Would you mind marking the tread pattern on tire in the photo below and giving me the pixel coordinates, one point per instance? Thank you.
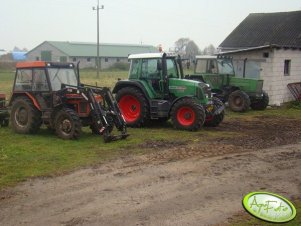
(75, 120)
(34, 116)
(246, 101)
(217, 119)
(197, 108)
(144, 115)
(262, 103)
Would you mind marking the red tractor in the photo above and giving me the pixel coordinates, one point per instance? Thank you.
(4, 116)
(51, 93)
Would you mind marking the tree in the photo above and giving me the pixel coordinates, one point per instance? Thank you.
(209, 50)
(181, 45)
(187, 48)
(191, 50)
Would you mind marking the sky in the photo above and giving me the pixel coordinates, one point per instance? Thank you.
(28, 23)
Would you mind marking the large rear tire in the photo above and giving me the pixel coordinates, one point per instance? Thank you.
(25, 117)
(215, 120)
(262, 103)
(67, 124)
(134, 106)
(239, 101)
(187, 114)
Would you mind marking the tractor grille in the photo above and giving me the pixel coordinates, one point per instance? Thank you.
(259, 86)
(83, 107)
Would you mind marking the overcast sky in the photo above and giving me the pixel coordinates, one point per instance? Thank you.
(27, 23)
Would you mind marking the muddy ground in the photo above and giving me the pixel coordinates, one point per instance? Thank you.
(177, 183)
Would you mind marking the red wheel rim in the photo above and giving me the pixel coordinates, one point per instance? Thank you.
(185, 116)
(130, 108)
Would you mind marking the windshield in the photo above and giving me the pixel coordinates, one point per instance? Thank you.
(225, 66)
(59, 76)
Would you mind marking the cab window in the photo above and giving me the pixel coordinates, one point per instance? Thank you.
(172, 71)
(23, 80)
(150, 69)
(201, 66)
(39, 80)
(134, 68)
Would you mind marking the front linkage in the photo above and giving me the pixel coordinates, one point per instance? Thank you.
(105, 113)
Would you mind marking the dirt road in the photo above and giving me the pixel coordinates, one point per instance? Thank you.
(177, 185)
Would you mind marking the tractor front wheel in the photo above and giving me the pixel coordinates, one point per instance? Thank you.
(187, 114)
(215, 120)
(262, 103)
(134, 106)
(25, 117)
(67, 124)
(239, 101)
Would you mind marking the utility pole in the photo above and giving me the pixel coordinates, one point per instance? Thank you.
(97, 58)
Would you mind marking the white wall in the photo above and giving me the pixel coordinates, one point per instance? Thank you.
(279, 82)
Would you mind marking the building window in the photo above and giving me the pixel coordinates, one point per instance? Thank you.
(106, 60)
(74, 59)
(88, 59)
(37, 58)
(287, 67)
(266, 55)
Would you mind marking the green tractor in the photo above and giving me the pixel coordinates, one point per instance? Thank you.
(240, 93)
(156, 90)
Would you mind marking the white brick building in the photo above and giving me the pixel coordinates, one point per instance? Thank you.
(268, 46)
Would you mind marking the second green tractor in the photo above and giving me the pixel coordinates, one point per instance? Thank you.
(156, 90)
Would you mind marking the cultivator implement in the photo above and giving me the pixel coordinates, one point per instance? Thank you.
(295, 89)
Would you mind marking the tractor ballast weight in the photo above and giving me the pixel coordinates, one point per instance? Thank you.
(240, 92)
(156, 90)
(50, 93)
(4, 115)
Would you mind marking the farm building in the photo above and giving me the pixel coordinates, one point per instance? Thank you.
(86, 53)
(268, 46)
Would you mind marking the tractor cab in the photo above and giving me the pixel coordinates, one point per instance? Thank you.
(42, 80)
(214, 70)
(162, 75)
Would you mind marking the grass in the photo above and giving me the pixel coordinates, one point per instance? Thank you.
(43, 154)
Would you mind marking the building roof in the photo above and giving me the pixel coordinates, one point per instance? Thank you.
(82, 49)
(260, 29)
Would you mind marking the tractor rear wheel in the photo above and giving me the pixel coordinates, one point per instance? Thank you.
(134, 106)
(239, 101)
(67, 124)
(262, 103)
(215, 120)
(25, 117)
(187, 114)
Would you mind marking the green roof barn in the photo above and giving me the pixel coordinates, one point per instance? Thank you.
(86, 53)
